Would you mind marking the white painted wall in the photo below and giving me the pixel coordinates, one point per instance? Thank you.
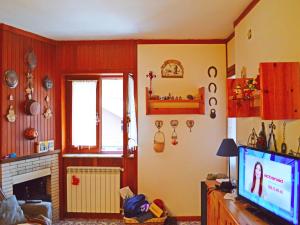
(275, 37)
(175, 174)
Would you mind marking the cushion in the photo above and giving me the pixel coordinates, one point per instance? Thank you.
(36, 209)
(11, 212)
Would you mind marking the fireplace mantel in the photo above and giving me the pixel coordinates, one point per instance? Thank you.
(8, 160)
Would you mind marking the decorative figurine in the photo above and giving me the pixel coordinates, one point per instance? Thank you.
(244, 72)
(283, 144)
(48, 112)
(252, 139)
(262, 138)
(151, 75)
(11, 116)
(10, 97)
(272, 136)
(29, 88)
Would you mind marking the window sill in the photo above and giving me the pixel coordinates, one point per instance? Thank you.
(91, 155)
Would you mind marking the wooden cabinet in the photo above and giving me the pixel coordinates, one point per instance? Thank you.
(225, 217)
(217, 213)
(227, 212)
(212, 209)
(280, 90)
(241, 101)
(277, 99)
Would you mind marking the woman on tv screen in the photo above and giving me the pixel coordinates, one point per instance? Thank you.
(257, 181)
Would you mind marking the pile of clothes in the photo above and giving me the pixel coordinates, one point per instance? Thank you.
(137, 206)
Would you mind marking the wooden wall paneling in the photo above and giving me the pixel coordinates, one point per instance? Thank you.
(25, 34)
(14, 48)
(97, 56)
(4, 100)
(59, 99)
(16, 94)
(130, 172)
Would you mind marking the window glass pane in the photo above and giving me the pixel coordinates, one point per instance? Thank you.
(84, 113)
(112, 114)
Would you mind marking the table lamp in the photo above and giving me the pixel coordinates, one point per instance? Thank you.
(227, 148)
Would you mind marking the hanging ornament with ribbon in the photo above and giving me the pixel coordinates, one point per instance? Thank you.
(174, 137)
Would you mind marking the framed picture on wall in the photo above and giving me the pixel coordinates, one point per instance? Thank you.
(172, 68)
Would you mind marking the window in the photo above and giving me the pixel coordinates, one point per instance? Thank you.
(84, 113)
(95, 111)
(112, 114)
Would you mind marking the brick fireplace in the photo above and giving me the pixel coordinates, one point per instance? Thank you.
(21, 170)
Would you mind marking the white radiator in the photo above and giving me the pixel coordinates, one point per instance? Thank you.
(93, 189)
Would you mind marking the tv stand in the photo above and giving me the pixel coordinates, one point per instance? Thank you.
(227, 212)
(260, 214)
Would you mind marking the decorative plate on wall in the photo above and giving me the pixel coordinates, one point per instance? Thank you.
(172, 68)
(31, 60)
(47, 83)
(11, 78)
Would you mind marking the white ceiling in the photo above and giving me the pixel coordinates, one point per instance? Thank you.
(123, 19)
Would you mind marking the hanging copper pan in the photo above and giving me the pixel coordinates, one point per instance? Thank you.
(32, 107)
(31, 133)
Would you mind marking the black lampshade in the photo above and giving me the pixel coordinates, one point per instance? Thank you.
(228, 148)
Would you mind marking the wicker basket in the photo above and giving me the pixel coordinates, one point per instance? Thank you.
(154, 221)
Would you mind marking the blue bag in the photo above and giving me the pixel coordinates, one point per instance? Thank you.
(132, 206)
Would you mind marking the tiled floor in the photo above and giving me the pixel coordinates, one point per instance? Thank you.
(108, 222)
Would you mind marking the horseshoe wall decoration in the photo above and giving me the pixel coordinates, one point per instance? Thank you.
(214, 73)
(214, 99)
(214, 87)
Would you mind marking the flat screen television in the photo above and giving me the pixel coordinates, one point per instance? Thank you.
(270, 182)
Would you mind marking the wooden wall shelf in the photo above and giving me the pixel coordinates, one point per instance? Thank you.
(180, 106)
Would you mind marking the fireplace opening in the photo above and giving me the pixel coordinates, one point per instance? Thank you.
(36, 189)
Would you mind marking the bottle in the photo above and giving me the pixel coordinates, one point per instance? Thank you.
(262, 138)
